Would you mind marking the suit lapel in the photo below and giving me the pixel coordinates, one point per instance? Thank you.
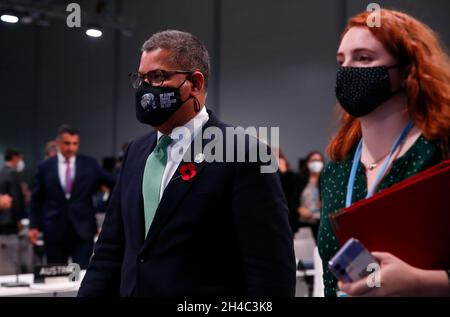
(55, 169)
(177, 189)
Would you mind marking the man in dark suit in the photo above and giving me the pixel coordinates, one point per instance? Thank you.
(62, 204)
(173, 228)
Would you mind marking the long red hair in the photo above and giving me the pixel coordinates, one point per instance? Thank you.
(417, 48)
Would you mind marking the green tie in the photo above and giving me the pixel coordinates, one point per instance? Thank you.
(151, 183)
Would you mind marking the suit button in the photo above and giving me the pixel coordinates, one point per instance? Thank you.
(141, 260)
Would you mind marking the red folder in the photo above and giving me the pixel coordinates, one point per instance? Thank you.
(411, 220)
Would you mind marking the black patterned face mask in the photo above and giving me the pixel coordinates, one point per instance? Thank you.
(360, 90)
(155, 105)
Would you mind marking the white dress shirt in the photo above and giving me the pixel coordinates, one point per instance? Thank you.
(62, 165)
(179, 146)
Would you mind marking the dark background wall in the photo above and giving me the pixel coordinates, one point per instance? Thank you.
(273, 64)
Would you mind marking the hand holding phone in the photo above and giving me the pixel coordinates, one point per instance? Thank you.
(351, 263)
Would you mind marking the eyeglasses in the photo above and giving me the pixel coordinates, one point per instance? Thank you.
(155, 77)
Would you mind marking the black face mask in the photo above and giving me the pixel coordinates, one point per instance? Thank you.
(361, 90)
(155, 105)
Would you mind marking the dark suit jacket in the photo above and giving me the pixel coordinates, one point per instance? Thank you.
(10, 184)
(224, 232)
(289, 185)
(51, 212)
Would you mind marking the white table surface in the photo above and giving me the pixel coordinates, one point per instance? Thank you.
(60, 288)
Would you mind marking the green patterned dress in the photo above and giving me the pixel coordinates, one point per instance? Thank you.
(422, 155)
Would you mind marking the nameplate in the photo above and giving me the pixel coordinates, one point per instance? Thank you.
(55, 272)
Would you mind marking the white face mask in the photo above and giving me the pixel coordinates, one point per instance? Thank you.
(20, 166)
(315, 167)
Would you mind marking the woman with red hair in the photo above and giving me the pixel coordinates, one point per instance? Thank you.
(393, 84)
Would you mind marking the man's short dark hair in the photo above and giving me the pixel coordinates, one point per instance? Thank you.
(65, 128)
(188, 52)
(11, 154)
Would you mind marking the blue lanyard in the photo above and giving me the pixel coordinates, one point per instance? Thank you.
(357, 157)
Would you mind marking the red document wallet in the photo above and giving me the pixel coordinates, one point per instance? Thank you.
(411, 220)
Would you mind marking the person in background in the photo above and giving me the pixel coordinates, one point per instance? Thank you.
(393, 84)
(309, 205)
(62, 201)
(289, 184)
(51, 149)
(13, 213)
(10, 184)
(5, 202)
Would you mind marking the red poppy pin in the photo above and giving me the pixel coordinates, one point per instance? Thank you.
(187, 171)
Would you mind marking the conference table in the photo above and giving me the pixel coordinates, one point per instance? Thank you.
(61, 286)
(56, 287)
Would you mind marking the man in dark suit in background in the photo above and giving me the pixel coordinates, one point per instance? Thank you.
(62, 204)
(179, 229)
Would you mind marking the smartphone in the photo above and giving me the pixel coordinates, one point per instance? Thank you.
(351, 262)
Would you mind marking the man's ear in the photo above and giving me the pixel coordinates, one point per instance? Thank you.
(198, 82)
